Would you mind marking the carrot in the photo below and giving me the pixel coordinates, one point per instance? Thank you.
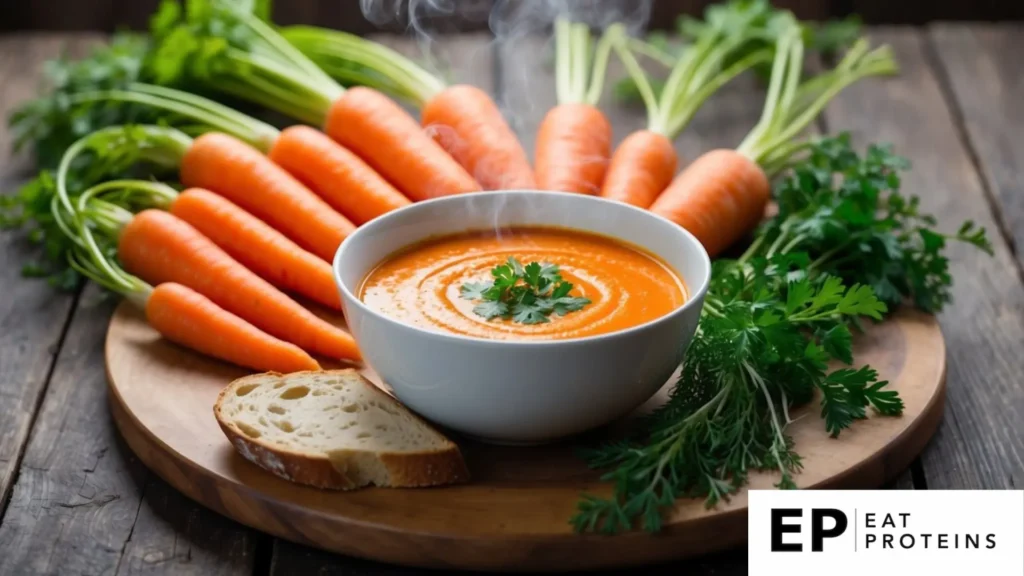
(723, 194)
(257, 246)
(262, 67)
(188, 318)
(246, 238)
(467, 123)
(463, 119)
(389, 139)
(644, 163)
(340, 177)
(159, 247)
(177, 312)
(334, 173)
(239, 172)
(574, 138)
(640, 169)
(718, 198)
(572, 149)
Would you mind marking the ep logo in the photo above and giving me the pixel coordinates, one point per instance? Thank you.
(821, 523)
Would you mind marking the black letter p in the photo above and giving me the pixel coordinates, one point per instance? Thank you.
(818, 532)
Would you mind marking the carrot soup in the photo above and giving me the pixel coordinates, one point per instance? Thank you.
(523, 284)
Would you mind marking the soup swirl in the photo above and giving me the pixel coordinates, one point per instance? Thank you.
(421, 285)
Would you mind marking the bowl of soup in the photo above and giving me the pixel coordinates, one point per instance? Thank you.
(522, 316)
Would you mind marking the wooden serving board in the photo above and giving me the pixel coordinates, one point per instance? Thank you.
(514, 514)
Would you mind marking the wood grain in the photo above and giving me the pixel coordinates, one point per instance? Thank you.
(513, 516)
(78, 491)
(981, 65)
(981, 443)
(32, 315)
(174, 535)
(292, 559)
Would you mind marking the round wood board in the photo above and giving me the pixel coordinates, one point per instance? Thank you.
(514, 514)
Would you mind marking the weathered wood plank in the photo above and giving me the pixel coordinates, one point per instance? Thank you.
(981, 65)
(294, 559)
(32, 315)
(84, 504)
(981, 442)
(78, 492)
(174, 535)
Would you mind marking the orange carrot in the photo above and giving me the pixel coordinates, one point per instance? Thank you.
(257, 246)
(463, 119)
(641, 168)
(242, 174)
(389, 139)
(159, 247)
(467, 123)
(720, 197)
(338, 176)
(574, 138)
(178, 312)
(190, 319)
(573, 145)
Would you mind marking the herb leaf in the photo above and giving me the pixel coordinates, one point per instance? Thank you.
(524, 294)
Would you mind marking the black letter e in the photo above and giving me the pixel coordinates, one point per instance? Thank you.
(779, 528)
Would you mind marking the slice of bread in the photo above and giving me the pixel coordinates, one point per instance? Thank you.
(334, 429)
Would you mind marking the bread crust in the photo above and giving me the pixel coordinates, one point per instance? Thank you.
(404, 469)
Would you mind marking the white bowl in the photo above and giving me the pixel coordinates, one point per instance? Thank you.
(521, 391)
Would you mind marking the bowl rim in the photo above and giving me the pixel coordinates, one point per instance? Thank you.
(696, 297)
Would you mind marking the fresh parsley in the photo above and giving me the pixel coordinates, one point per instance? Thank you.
(524, 294)
(846, 244)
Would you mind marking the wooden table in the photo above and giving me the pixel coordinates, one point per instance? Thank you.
(74, 500)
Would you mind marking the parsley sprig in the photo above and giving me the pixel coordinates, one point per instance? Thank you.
(525, 294)
(845, 245)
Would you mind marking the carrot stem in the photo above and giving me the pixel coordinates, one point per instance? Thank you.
(580, 71)
(344, 56)
(702, 70)
(791, 106)
(208, 114)
(636, 72)
(117, 147)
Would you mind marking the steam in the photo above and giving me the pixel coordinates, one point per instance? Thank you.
(511, 22)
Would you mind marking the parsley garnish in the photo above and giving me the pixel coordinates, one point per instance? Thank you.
(525, 294)
(846, 244)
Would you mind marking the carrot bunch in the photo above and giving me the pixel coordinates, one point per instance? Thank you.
(463, 119)
(732, 42)
(256, 64)
(723, 194)
(574, 139)
(183, 305)
(334, 173)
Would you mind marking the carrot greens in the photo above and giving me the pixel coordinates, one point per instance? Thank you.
(846, 244)
(229, 49)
